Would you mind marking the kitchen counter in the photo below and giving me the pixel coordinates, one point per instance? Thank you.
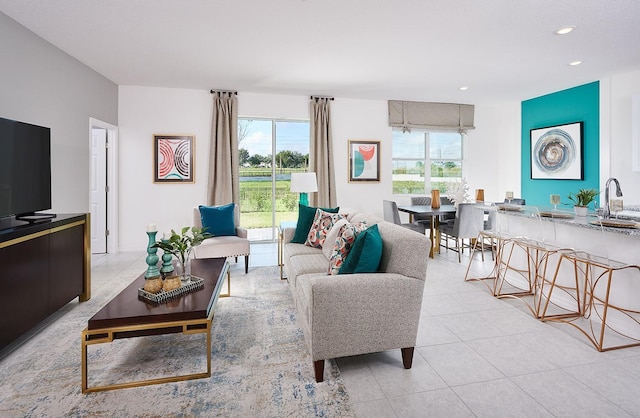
(589, 222)
(615, 247)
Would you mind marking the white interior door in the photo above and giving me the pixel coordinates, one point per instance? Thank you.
(99, 190)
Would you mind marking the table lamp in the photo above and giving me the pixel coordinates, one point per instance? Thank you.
(304, 183)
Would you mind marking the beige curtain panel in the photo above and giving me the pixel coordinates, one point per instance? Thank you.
(224, 184)
(431, 116)
(321, 153)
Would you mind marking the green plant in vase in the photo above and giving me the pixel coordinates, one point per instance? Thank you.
(582, 199)
(181, 245)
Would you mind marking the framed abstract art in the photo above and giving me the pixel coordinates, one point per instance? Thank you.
(364, 161)
(556, 152)
(174, 158)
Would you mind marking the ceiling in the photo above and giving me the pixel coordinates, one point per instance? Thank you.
(503, 50)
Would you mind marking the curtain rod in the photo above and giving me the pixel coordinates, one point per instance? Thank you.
(320, 97)
(235, 93)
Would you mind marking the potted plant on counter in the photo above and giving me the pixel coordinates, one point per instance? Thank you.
(181, 245)
(582, 199)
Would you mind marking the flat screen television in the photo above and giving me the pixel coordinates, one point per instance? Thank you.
(25, 170)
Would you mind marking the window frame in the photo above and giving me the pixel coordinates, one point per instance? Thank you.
(427, 160)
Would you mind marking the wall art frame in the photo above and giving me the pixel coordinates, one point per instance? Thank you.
(364, 161)
(557, 152)
(174, 158)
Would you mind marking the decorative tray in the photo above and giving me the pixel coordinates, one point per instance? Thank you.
(514, 208)
(616, 223)
(197, 283)
(557, 214)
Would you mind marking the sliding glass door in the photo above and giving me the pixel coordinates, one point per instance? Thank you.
(269, 151)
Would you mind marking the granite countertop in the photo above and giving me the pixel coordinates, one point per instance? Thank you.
(586, 221)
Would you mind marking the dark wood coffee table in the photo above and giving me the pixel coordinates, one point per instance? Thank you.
(127, 316)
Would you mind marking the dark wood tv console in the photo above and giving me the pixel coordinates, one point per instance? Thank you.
(43, 266)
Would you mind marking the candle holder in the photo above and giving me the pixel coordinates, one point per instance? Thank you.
(167, 265)
(152, 257)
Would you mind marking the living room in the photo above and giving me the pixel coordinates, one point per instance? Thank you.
(43, 85)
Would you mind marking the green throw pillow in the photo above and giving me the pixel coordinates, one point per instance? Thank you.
(305, 220)
(218, 220)
(365, 253)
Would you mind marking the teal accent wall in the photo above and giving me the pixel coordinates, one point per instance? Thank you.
(578, 104)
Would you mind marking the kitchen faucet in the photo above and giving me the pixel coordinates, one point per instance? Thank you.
(606, 213)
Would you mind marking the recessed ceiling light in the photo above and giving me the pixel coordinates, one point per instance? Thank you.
(564, 30)
(574, 63)
(463, 88)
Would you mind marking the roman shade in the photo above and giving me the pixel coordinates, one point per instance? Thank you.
(431, 116)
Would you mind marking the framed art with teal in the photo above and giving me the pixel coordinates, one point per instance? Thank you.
(364, 161)
(556, 152)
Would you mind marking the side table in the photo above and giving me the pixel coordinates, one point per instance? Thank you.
(281, 228)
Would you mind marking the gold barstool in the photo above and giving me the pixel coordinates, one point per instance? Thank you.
(521, 257)
(609, 312)
(561, 295)
(493, 237)
(600, 319)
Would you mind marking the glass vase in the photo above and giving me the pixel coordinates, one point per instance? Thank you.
(183, 268)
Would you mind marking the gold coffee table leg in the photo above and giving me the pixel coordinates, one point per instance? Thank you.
(228, 294)
(107, 335)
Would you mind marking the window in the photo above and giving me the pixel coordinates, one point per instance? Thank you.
(410, 157)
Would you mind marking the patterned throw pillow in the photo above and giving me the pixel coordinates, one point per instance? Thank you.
(320, 227)
(327, 247)
(343, 244)
(306, 214)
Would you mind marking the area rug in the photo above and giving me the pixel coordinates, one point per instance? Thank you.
(261, 366)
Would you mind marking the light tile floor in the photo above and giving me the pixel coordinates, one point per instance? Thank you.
(476, 355)
(480, 356)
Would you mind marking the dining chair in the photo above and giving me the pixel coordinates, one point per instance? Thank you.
(391, 214)
(467, 224)
(446, 219)
(445, 201)
(421, 201)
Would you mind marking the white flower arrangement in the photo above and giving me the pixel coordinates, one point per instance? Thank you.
(458, 192)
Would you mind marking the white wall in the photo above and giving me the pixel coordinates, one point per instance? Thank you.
(492, 151)
(42, 85)
(621, 89)
(144, 111)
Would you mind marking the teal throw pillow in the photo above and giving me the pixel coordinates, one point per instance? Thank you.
(306, 214)
(218, 220)
(365, 253)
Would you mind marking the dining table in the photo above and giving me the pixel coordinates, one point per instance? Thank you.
(435, 214)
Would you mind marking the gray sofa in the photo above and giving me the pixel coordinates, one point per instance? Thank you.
(351, 314)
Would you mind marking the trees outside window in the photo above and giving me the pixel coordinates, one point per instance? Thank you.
(269, 151)
(415, 150)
